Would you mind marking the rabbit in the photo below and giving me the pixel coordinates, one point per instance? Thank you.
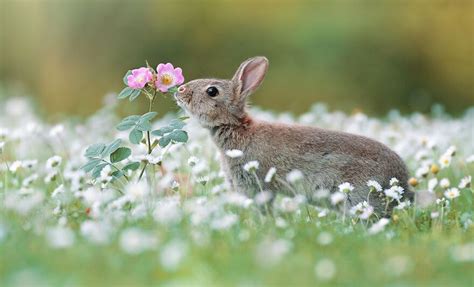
(326, 158)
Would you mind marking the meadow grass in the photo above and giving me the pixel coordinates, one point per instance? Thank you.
(57, 228)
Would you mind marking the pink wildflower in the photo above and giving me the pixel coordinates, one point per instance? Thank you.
(139, 78)
(168, 77)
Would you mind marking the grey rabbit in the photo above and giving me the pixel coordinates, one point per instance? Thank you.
(326, 158)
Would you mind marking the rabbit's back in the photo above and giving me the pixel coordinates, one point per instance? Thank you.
(326, 158)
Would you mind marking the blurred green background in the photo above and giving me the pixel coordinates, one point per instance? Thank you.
(354, 55)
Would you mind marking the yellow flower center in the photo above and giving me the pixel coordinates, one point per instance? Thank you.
(166, 79)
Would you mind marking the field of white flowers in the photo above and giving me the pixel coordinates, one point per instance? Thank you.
(184, 227)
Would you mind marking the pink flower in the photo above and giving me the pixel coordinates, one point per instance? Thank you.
(168, 77)
(139, 78)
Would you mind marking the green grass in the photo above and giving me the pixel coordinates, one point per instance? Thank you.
(258, 249)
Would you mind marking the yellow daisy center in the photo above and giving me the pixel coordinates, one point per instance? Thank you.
(166, 79)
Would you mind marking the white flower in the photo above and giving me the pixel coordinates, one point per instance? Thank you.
(270, 174)
(403, 205)
(58, 190)
(96, 232)
(225, 222)
(444, 183)
(397, 265)
(154, 159)
(263, 197)
(434, 214)
(421, 172)
(15, 166)
(3, 133)
(470, 158)
(346, 187)
(451, 151)
(375, 185)
(173, 254)
(394, 181)
(192, 161)
(325, 269)
(56, 130)
(280, 222)
(168, 211)
(106, 174)
(432, 183)
(289, 204)
(451, 193)
(442, 202)
(175, 185)
(30, 179)
(29, 163)
(2, 146)
(251, 166)
(324, 238)
(53, 162)
(378, 226)
(463, 253)
(362, 210)
(134, 241)
(234, 153)
(202, 179)
(394, 192)
(270, 252)
(60, 237)
(445, 159)
(137, 190)
(294, 176)
(51, 176)
(337, 197)
(465, 182)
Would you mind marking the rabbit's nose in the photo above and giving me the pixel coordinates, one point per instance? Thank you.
(181, 89)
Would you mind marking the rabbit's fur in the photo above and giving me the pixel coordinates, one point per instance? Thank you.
(326, 158)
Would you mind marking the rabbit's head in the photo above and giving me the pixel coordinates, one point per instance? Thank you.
(216, 102)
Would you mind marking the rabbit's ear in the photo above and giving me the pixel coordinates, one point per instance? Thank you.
(250, 75)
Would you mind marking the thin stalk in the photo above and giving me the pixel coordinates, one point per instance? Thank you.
(150, 149)
(261, 189)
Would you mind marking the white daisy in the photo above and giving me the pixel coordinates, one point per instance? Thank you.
(234, 153)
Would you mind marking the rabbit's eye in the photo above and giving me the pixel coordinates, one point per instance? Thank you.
(212, 91)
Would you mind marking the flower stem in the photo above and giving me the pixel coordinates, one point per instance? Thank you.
(150, 149)
(344, 210)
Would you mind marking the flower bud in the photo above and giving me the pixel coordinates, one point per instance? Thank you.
(434, 168)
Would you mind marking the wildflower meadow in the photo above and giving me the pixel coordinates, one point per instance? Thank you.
(142, 201)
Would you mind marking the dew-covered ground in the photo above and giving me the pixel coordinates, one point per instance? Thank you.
(184, 227)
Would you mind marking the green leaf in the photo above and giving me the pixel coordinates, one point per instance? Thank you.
(135, 136)
(113, 146)
(143, 125)
(120, 154)
(148, 116)
(125, 93)
(173, 90)
(134, 95)
(162, 131)
(179, 136)
(125, 125)
(91, 164)
(131, 166)
(117, 174)
(95, 150)
(96, 171)
(132, 118)
(129, 72)
(177, 124)
(164, 141)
